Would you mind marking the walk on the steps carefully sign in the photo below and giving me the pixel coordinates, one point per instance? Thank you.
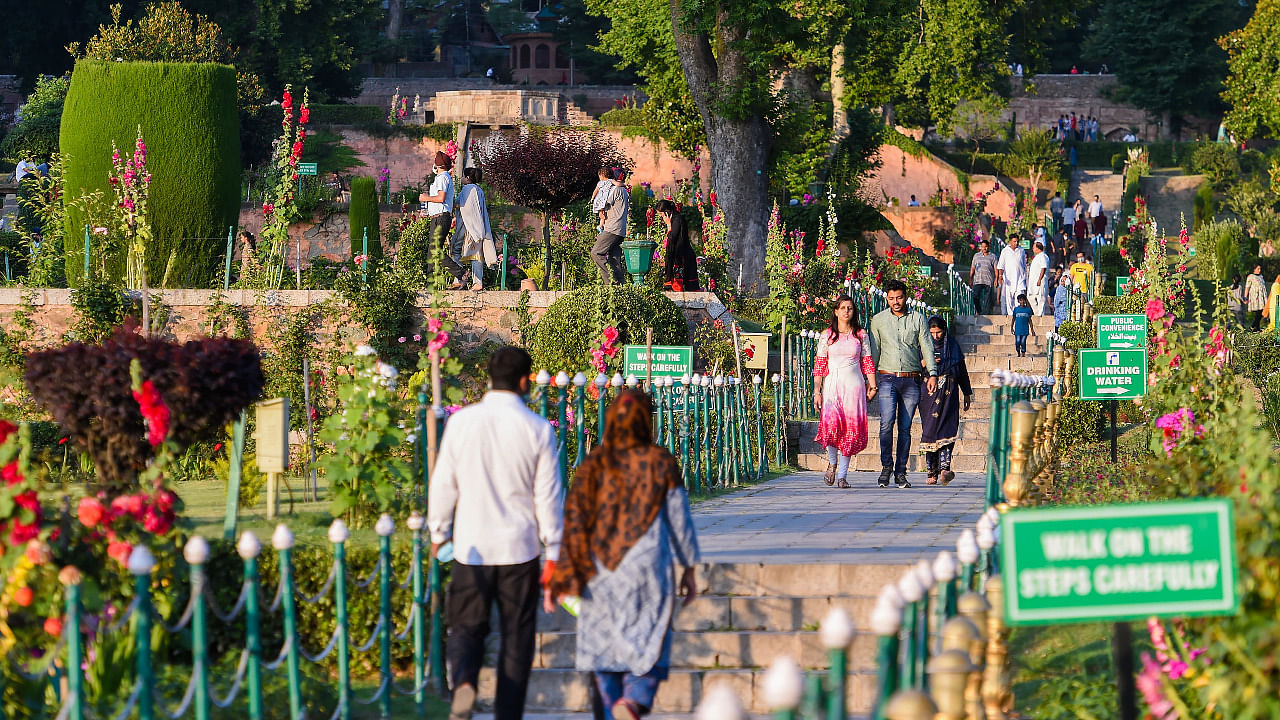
(1119, 562)
(1122, 332)
(1112, 374)
(668, 361)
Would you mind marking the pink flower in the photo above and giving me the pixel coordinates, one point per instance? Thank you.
(438, 342)
(91, 512)
(610, 335)
(417, 338)
(434, 324)
(1155, 309)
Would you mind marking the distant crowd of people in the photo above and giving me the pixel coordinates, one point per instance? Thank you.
(1080, 128)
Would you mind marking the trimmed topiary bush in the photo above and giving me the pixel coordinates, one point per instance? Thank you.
(364, 214)
(187, 112)
(572, 327)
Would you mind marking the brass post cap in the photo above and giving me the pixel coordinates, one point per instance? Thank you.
(971, 603)
(950, 662)
(1038, 404)
(958, 633)
(910, 705)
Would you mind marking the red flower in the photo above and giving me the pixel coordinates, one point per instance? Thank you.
(155, 521)
(6, 429)
(91, 512)
(131, 505)
(610, 335)
(217, 447)
(63, 441)
(23, 596)
(119, 551)
(304, 116)
(53, 626)
(11, 475)
(267, 208)
(154, 411)
(165, 500)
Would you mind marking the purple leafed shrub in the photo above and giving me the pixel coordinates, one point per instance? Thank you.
(86, 388)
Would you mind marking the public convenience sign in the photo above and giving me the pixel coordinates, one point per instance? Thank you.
(1112, 374)
(1119, 562)
(668, 361)
(1122, 332)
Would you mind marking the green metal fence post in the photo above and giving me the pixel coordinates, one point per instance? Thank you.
(502, 281)
(993, 437)
(231, 249)
(673, 427)
(924, 574)
(580, 418)
(196, 553)
(542, 380)
(684, 389)
(71, 577)
(695, 430)
(886, 622)
(836, 634)
(912, 592)
(86, 253)
(422, 451)
(944, 571)
(659, 417)
(762, 450)
(705, 440)
(416, 523)
(437, 624)
(602, 399)
(384, 527)
(248, 548)
(364, 253)
(742, 467)
(562, 420)
(338, 535)
(777, 421)
(141, 563)
(282, 541)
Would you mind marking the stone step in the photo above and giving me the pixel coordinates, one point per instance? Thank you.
(762, 613)
(868, 461)
(990, 321)
(971, 428)
(566, 690)
(714, 649)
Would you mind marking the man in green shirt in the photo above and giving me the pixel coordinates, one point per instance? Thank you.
(901, 348)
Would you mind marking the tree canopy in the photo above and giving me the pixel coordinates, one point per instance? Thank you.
(1252, 89)
(1165, 54)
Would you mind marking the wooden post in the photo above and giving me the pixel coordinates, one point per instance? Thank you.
(782, 365)
(433, 442)
(313, 492)
(737, 353)
(273, 495)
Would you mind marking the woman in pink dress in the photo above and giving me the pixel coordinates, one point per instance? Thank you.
(844, 379)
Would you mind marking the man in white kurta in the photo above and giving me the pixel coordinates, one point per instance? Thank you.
(1038, 279)
(1011, 274)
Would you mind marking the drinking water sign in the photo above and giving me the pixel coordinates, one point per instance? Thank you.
(1112, 374)
(1122, 332)
(668, 361)
(1119, 562)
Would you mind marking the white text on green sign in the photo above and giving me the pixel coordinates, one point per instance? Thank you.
(1112, 374)
(306, 168)
(1118, 332)
(668, 361)
(1119, 562)
(1122, 286)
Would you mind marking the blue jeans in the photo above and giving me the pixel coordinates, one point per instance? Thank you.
(899, 397)
(982, 297)
(1020, 343)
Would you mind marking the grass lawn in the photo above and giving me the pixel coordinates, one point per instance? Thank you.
(1066, 671)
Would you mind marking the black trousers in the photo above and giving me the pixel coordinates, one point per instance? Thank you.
(440, 244)
(473, 589)
(1255, 320)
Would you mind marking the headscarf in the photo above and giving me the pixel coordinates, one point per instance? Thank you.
(946, 350)
(617, 494)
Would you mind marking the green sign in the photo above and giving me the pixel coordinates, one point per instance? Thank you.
(1120, 332)
(1025, 244)
(306, 168)
(1119, 562)
(1122, 286)
(926, 270)
(1191, 251)
(1112, 374)
(668, 361)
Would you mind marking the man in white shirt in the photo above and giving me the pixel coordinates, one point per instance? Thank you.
(1011, 273)
(1038, 282)
(607, 252)
(496, 491)
(437, 204)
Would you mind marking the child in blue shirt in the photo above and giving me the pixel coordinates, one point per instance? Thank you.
(1022, 325)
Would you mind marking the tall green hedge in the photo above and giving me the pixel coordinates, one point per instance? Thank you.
(572, 327)
(187, 112)
(364, 214)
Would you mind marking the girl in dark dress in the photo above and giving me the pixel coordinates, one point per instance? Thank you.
(940, 411)
(680, 265)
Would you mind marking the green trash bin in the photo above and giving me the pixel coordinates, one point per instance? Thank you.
(638, 255)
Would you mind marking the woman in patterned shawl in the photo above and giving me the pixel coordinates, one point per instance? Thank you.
(625, 516)
(940, 412)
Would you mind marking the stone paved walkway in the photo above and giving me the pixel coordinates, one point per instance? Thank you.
(797, 519)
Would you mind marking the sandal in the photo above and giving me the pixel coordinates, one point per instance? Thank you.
(931, 479)
(625, 709)
(946, 477)
(844, 484)
(830, 476)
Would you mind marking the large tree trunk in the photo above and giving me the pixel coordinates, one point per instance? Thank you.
(839, 117)
(395, 16)
(739, 147)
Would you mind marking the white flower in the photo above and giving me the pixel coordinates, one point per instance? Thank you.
(411, 438)
(387, 371)
(364, 350)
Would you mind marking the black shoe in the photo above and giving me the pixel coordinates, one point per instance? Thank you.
(884, 477)
(901, 480)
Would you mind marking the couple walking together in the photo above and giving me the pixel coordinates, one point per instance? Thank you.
(497, 493)
(900, 355)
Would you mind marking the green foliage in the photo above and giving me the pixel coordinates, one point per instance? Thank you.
(100, 306)
(439, 132)
(1271, 404)
(980, 120)
(1204, 208)
(1257, 356)
(364, 217)
(1252, 91)
(570, 329)
(1132, 186)
(1078, 420)
(1136, 37)
(344, 114)
(1109, 261)
(1222, 238)
(1040, 154)
(187, 113)
(367, 471)
(623, 117)
(1126, 305)
(383, 303)
(891, 136)
(1217, 161)
(292, 340)
(330, 155)
(36, 137)
(1255, 203)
